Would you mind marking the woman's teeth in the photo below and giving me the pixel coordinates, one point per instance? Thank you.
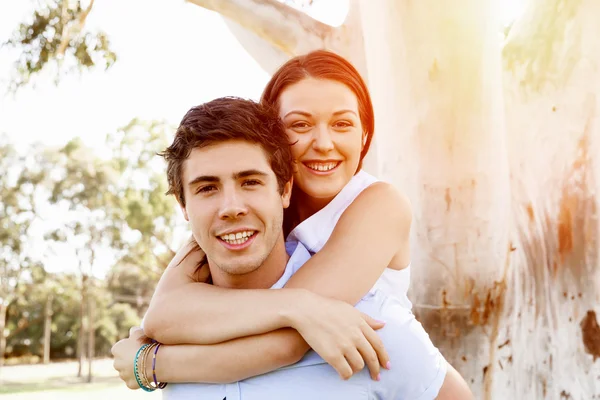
(322, 166)
(238, 237)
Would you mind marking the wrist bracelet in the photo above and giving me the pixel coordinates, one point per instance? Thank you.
(136, 371)
(158, 385)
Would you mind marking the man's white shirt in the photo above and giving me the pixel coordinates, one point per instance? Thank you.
(417, 367)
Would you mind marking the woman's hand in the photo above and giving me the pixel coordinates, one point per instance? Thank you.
(343, 336)
(124, 353)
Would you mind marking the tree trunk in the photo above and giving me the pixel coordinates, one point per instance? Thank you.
(441, 139)
(82, 327)
(505, 236)
(3, 308)
(47, 329)
(552, 77)
(91, 333)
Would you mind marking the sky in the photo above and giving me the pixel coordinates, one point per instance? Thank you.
(172, 55)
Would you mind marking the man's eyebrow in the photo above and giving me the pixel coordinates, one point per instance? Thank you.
(203, 178)
(249, 172)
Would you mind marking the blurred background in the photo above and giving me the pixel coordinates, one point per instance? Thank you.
(487, 116)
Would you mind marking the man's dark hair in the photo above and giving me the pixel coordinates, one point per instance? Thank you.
(223, 119)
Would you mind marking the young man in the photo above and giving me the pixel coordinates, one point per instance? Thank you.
(230, 167)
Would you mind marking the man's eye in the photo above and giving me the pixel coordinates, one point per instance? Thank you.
(251, 182)
(206, 189)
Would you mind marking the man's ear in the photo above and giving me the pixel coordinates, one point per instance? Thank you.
(286, 195)
(183, 210)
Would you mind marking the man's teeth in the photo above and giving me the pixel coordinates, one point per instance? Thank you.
(238, 237)
(322, 166)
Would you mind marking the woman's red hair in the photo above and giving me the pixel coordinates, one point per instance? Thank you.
(322, 64)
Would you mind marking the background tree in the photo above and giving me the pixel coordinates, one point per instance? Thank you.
(80, 183)
(149, 215)
(19, 181)
(54, 39)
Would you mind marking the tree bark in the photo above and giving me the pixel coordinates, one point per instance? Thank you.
(552, 61)
(440, 122)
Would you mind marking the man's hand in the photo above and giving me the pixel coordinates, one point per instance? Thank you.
(124, 353)
(343, 336)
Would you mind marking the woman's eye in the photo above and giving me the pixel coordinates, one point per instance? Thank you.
(300, 125)
(343, 124)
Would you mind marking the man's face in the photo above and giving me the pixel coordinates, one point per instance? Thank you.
(233, 204)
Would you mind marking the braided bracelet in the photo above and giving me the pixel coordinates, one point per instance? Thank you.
(157, 385)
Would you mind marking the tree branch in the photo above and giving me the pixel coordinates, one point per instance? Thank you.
(70, 29)
(289, 30)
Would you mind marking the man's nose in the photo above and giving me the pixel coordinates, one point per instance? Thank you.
(233, 205)
(322, 141)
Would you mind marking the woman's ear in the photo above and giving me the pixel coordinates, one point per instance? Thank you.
(286, 194)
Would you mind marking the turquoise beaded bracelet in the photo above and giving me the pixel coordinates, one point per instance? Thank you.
(136, 372)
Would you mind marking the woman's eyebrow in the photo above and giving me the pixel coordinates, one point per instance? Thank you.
(344, 112)
(304, 113)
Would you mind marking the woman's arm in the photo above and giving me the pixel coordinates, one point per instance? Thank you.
(184, 311)
(372, 230)
(219, 363)
(179, 299)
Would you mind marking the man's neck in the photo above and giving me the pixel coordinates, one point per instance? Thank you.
(263, 277)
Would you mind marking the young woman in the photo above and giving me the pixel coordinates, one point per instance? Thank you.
(357, 227)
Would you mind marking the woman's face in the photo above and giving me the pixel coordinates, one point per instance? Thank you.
(322, 120)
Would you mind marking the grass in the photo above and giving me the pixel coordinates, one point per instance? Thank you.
(59, 381)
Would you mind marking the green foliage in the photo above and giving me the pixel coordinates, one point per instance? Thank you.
(55, 36)
(117, 205)
(26, 317)
(19, 182)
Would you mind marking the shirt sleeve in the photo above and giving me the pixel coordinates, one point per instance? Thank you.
(418, 369)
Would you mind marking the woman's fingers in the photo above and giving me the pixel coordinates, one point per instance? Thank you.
(354, 359)
(373, 323)
(369, 355)
(340, 364)
(377, 345)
